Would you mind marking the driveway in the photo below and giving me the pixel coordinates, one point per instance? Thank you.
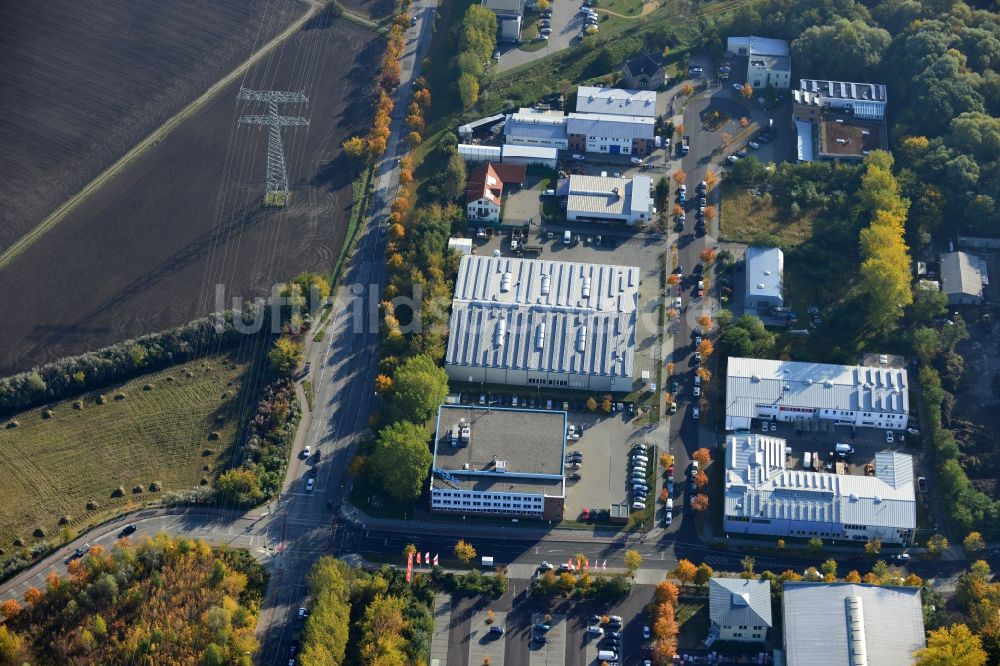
(566, 25)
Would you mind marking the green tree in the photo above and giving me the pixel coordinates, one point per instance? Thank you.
(11, 648)
(468, 90)
(213, 656)
(703, 574)
(837, 50)
(286, 355)
(464, 551)
(829, 568)
(814, 545)
(747, 172)
(929, 304)
(420, 387)
(633, 560)
(454, 177)
(926, 343)
(748, 563)
(239, 487)
(873, 546)
(402, 459)
(952, 646)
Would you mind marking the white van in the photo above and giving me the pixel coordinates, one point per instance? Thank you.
(606, 655)
(807, 460)
(567, 237)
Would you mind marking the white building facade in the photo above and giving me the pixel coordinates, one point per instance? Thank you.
(764, 496)
(603, 199)
(769, 61)
(850, 395)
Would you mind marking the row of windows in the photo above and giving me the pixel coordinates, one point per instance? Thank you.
(548, 382)
(531, 511)
(855, 527)
(451, 493)
(475, 503)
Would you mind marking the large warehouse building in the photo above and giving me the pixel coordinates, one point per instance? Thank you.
(854, 395)
(764, 496)
(507, 462)
(532, 322)
(602, 199)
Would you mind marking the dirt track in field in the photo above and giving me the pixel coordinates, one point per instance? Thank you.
(146, 251)
(84, 80)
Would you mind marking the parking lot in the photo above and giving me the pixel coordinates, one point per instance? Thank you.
(569, 644)
(865, 441)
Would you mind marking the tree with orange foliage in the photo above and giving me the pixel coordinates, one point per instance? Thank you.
(706, 348)
(415, 122)
(707, 256)
(663, 491)
(679, 129)
(413, 139)
(744, 122)
(666, 593)
(354, 147)
(705, 322)
(710, 213)
(662, 651)
(423, 98)
(703, 456)
(687, 89)
(727, 138)
(701, 479)
(700, 502)
(852, 576)
(383, 383)
(33, 595)
(678, 210)
(53, 581)
(705, 374)
(673, 279)
(680, 176)
(10, 609)
(684, 571)
(396, 232)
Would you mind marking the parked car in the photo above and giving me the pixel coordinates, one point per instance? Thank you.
(575, 476)
(306, 451)
(635, 160)
(754, 145)
(577, 157)
(645, 632)
(545, 566)
(889, 437)
(732, 159)
(738, 86)
(310, 484)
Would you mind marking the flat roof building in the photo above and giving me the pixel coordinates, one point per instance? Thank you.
(529, 127)
(962, 278)
(839, 120)
(864, 101)
(603, 199)
(473, 153)
(609, 133)
(739, 609)
(853, 395)
(530, 155)
(769, 61)
(499, 461)
(764, 496)
(764, 273)
(846, 624)
(616, 101)
(534, 322)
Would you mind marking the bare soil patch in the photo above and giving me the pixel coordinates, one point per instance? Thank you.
(84, 80)
(146, 251)
(373, 9)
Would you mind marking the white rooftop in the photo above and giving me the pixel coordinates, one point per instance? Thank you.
(754, 381)
(534, 314)
(759, 485)
(961, 274)
(759, 45)
(609, 196)
(616, 101)
(847, 624)
(610, 126)
(764, 268)
(540, 152)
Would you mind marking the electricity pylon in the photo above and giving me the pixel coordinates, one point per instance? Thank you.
(276, 188)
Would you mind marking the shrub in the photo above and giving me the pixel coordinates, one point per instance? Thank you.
(78, 404)
(214, 436)
(119, 396)
(92, 505)
(47, 414)
(19, 542)
(155, 487)
(102, 399)
(203, 481)
(39, 533)
(12, 424)
(136, 490)
(207, 452)
(147, 387)
(118, 492)
(63, 520)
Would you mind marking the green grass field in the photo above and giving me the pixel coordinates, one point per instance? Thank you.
(745, 216)
(52, 467)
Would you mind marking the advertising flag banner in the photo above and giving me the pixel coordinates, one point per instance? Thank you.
(409, 567)
(418, 558)
(436, 559)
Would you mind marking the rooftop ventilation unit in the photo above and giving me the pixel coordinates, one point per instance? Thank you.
(546, 284)
(501, 466)
(854, 497)
(877, 499)
(754, 378)
(827, 383)
(540, 336)
(501, 332)
(505, 282)
(581, 339)
(586, 287)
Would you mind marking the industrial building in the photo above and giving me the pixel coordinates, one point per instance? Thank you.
(616, 101)
(510, 15)
(533, 322)
(963, 276)
(499, 461)
(474, 153)
(764, 277)
(531, 127)
(530, 155)
(764, 496)
(739, 609)
(609, 133)
(769, 61)
(851, 395)
(839, 120)
(849, 624)
(603, 199)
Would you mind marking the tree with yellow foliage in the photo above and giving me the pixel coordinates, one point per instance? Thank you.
(952, 646)
(684, 571)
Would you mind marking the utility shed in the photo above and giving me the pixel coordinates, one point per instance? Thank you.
(962, 278)
(764, 275)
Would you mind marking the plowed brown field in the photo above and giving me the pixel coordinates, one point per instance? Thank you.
(82, 81)
(146, 251)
